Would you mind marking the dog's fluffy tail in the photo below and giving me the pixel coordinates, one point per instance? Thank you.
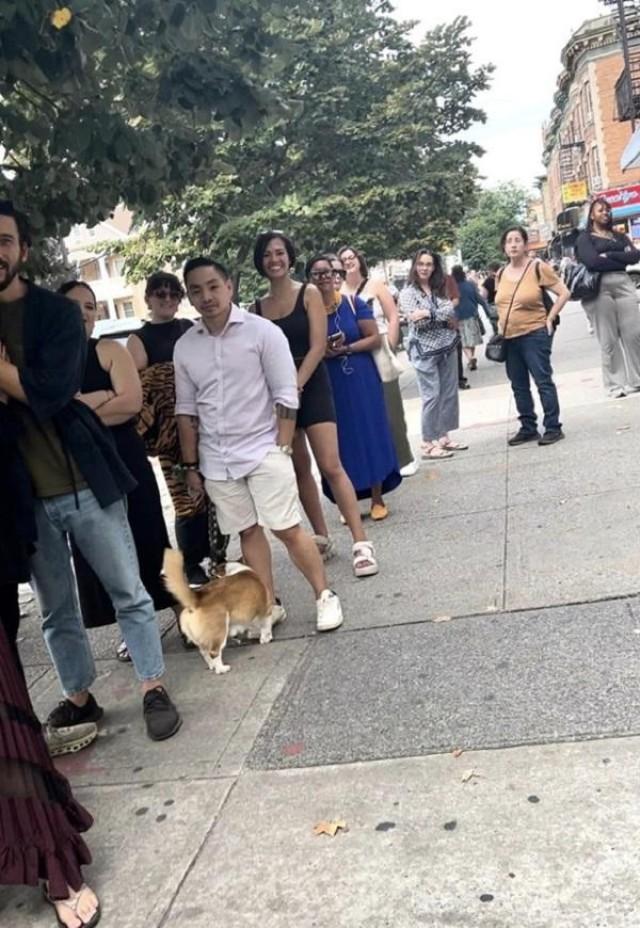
(175, 580)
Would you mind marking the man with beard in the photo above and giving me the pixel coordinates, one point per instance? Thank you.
(79, 485)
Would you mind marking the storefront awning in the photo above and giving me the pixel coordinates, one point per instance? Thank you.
(630, 157)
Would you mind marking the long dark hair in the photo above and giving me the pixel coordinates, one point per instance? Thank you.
(70, 284)
(594, 203)
(437, 279)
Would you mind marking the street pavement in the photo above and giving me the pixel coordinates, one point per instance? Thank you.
(474, 725)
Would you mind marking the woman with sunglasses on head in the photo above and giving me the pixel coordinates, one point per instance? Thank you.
(614, 311)
(152, 347)
(111, 387)
(297, 309)
(365, 442)
(377, 295)
(433, 351)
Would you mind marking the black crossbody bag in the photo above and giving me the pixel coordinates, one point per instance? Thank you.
(496, 348)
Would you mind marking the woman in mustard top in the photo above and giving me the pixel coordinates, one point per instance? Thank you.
(528, 330)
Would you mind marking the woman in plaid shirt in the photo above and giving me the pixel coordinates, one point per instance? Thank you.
(432, 348)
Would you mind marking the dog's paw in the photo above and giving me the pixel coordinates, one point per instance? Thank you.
(222, 668)
(266, 636)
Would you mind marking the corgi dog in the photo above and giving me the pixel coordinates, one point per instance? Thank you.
(226, 606)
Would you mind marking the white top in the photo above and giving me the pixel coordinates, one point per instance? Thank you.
(231, 382)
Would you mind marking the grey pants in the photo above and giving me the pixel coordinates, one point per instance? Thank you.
(616, 318)
(438, 383)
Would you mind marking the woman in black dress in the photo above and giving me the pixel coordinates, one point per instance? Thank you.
(111, 387)
(298, 309)
(196, 526)
(40, 822)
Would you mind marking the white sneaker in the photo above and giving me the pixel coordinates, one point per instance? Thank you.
(325, 545)
(410, 469)
(329, 612)
(278, 613)
(71, 739)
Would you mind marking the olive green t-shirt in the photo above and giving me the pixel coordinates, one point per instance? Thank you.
(53, 472)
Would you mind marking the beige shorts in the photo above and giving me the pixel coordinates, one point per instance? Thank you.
(268, 496)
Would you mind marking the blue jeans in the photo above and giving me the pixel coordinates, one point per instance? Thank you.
(104, 537)
(530, 355)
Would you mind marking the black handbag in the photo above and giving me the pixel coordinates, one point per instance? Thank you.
(582, 283)
(496, 347)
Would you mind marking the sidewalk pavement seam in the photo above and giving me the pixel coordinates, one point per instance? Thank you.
(194, 859)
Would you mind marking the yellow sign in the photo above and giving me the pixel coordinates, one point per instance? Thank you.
(574, 192)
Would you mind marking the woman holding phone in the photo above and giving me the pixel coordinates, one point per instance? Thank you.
(297, 309)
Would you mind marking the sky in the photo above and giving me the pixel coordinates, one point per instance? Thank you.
(523, 41)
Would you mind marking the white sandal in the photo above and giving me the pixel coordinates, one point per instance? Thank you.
(72, 902)
(364, 559)
(435, 453)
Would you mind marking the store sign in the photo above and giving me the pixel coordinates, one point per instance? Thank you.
(576, 191)
(622, 197)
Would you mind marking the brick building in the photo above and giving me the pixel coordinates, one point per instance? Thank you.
(585, 135)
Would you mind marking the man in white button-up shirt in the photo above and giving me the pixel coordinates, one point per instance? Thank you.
(236, 402)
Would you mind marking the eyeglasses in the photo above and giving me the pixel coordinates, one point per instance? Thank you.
(161, 293)
(339, 272)
(321, 275)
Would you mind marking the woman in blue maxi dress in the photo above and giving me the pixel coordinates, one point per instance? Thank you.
(365, 442)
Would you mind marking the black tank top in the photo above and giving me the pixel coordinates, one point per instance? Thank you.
(295, 326)
(96, 378)
(159, 338)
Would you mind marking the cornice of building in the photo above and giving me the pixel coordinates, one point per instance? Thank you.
(593, 35)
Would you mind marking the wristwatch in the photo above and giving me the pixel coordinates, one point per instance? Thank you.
(286, 449)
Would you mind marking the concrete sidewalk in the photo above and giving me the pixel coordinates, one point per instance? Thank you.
(505, 624)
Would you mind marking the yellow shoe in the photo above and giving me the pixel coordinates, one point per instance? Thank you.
(378, 512)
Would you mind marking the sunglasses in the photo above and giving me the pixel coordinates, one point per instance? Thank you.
(321, 275)
(339, 272)
(163, 292)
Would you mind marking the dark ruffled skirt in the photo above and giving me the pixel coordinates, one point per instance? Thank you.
(40, 821)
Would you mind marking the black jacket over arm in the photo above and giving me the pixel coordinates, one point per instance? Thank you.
(590, 250)
(55, 351)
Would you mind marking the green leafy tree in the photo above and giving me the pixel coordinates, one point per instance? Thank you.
(496, 209)
(109, 100)
(373, 156)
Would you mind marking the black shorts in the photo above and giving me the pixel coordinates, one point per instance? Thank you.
(316, 400)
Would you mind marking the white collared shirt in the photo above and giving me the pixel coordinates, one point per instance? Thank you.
(231, 383)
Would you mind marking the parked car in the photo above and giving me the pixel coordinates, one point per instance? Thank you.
(119, 329)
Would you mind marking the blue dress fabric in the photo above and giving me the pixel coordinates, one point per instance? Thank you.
(365, 443)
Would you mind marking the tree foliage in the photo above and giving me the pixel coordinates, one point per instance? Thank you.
(374, 155)
(109, 100)
(496, 210)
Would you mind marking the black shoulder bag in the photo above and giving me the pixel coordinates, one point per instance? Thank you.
(496, 348)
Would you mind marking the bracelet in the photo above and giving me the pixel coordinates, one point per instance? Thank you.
(190, 466)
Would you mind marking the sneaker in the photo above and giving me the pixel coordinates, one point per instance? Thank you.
(551, 437)
(522, 437)
(196, 576)
(325, 545)
(329, 612)
(160, 715)
(278, 613)
(69, 740)
(410, 469)
(67, 715)
(122, 653)
(463, 385)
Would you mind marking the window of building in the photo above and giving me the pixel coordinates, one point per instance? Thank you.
(124, 309)
(595, 171)
(90, 271)
(103, 310)
(587, 102)
(115, 265)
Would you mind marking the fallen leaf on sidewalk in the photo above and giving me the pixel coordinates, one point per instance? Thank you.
(329, 828)
(442, 618)
(623, 428)
(469, 775)
(458, 752)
